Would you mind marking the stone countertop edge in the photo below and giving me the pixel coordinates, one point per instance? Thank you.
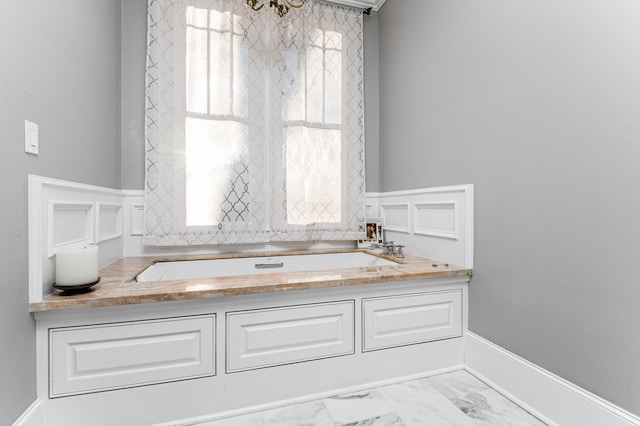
(118, 286)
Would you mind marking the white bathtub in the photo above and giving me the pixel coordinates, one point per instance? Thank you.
(191, 269)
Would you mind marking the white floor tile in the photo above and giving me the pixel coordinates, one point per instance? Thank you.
(505, 412)
(307, 414)
(452, 399)
(417, 403)
(246, 420)
(479, 402)
(386, 420)
(354, 407)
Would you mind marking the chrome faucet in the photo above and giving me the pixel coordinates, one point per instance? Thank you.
(393, 249)
(388, 248)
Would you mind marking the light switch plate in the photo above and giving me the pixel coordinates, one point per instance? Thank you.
(30, 137)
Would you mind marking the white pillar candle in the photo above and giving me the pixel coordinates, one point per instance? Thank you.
(76, 265)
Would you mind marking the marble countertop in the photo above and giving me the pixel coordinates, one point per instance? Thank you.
(118, 286)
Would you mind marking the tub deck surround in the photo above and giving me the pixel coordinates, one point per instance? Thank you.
(118, 285)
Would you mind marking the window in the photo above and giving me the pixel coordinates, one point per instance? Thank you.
(254, 124)
(216, 126)
(312, 119)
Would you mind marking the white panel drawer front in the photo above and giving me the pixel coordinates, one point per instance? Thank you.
(285, 335)
(415, 318)
(111, 356)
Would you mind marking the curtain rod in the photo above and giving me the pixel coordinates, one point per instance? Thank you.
(365, 10)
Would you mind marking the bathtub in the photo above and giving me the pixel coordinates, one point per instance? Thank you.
(213, 268)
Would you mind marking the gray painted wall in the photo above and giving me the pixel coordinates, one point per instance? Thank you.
(537, 103)
(61, 70)
(134, 48)
(371, 102)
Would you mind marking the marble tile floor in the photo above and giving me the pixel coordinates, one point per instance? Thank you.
(452, 399)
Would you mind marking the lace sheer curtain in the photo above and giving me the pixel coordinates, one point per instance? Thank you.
(254, 124)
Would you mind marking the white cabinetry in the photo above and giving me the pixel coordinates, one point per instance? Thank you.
(276, 336)
(111, 356)
(412, 318)
(169, 363)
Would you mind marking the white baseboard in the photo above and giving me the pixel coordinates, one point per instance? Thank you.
(547, 396)
(32, 416)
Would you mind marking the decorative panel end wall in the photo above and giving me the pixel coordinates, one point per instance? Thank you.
(63, 213)
(432, 222)
(69, 224)
(436, 219)
(109, 223)
(396, 216)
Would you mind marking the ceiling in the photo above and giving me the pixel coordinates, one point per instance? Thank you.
(365, 4)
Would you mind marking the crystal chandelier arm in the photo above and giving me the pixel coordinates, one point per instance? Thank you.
(280, 7)
(295, 6)
(254, 3)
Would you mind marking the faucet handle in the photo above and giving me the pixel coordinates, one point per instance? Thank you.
(388, 247)
(399, 252)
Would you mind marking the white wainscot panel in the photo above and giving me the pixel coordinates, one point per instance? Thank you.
(370, 210)
(438, 224)
(437, 219)
(285, 335)
(70, 223)
(416, 318)
(137, 219)
(396, 217)
(63, 213)
(112, 356)
(109, 221)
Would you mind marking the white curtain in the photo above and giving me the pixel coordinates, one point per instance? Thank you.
(254, 123)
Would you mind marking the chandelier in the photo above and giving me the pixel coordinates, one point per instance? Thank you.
(281, 6)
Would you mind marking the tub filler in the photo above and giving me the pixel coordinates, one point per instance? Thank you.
(213, 268)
